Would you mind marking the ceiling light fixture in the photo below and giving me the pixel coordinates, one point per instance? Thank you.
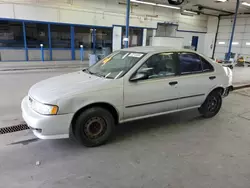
(189, 11)
(246, 4)
(223, 1)
(235, 43)
(222, 43)
(143, 2)
(248, 43)
(154, 4)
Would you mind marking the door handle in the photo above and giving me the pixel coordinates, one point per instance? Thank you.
(173, 83)
(212, 77)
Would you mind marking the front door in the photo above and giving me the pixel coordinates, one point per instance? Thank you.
(156, 94)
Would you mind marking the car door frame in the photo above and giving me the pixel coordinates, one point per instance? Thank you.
(203, 95)
(167, 79)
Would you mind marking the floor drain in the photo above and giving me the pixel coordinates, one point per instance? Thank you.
(15, 128)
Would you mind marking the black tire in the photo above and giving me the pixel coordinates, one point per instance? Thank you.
(212, 105)
(94, 127)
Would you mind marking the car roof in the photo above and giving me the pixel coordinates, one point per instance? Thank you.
(154, 49)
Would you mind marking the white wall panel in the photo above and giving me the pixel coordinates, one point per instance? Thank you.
(242, 35)
(248, 21)
(99, 12)
(245, 51)
(226, 22)
(225, 29)
(239, 29)
(117, 37)
(247, 28)
(238, 36)
(212, 24)
(223, 36)
(187, 36)
(221, 49)
(70, 16)
(144, 40)
(218, 55)
(240, 21)
(28, 12)
(236, 49)
(7, 10)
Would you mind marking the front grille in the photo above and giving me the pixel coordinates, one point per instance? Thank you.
(14, 128)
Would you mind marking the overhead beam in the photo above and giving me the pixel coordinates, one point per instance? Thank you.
(200, 7)
(200, 12)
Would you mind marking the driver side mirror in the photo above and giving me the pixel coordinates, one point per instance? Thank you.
(141, 74)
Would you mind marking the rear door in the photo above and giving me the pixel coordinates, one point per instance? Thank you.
(196, 79)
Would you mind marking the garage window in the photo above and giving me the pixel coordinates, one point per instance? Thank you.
(11, 34)
(60, 36)
(37, 34)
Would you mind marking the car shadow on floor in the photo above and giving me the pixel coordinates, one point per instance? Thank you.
(168, 123)
(171, 123)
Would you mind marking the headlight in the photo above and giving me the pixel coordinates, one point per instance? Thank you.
(44, 109)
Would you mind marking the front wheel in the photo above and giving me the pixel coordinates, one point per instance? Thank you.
(94, 127)
(212, 105)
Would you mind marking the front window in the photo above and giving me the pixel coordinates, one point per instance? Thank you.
(116, 65)
(160, 66)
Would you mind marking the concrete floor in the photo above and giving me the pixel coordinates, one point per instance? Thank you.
(241, 75)
(179, 150)
(15, 85)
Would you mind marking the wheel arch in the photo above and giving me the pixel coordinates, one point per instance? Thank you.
(104, 105)
(219, 89)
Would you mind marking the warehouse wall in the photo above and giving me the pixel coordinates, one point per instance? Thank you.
(241, 45)
(97, 12)
(102, 13)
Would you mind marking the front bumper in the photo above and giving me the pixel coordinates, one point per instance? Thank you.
(45, 126)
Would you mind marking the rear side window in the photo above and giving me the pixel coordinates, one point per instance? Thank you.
(190, 63)
(207, 67)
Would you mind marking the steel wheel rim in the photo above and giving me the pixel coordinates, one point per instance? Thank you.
(213, 104)
(95, 127)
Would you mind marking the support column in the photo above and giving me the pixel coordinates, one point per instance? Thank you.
(50, 44)
(232, 34)
(144, 39)
(216, 36)
(25, 43)
(94, 40)
(117, 38)
(72, 40)
(127, 24)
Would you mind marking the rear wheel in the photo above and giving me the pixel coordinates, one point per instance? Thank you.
(94, 127)
(212, 105)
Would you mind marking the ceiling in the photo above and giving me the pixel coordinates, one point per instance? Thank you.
(222, 7)
(226, 6)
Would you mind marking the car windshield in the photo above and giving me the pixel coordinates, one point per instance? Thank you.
(115, 65)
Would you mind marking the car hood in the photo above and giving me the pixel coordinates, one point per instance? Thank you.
(54, 88)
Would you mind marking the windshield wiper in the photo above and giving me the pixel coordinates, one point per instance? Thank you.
(87, 70)
(97, 74)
